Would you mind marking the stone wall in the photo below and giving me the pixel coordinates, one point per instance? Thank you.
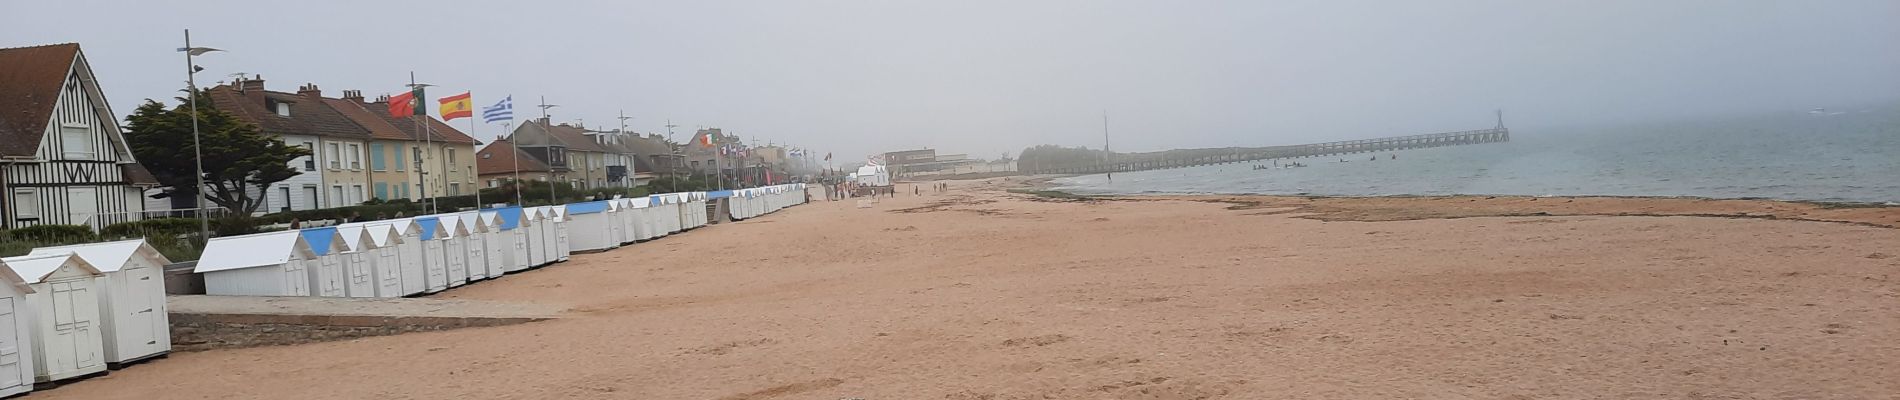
(193, 332)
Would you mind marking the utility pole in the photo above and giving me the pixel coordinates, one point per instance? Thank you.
(672, 171)
(1106, 153)
(191, 87)
(547, 140)
(623, 131)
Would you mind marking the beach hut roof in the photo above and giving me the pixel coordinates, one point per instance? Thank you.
(108, 256)
(248, 251)
(590, 207)
(557, 213)
(431, 227)
(325, 240)
(452, 224)
(476, 222)
(359, 236)
(13, 278)
(509, 218)
(34, 269)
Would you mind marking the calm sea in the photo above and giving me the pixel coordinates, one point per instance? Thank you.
(1846, 157)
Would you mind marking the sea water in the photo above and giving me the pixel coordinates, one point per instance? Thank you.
(1851, 156)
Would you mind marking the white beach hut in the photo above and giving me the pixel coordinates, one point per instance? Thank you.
(559, 243)
(326, 271)
(67, 332)
(479, 231)
(642, 218)
(413, 263)
(135, 321)
(437, 264)
(516, 256)
(359, 261)
(538, 235)
(16, 347)
(265, 264)
(380, 244)
(627, 219)
(497, 241)
(591, 225)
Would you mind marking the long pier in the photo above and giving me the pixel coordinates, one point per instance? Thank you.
(1481, 136)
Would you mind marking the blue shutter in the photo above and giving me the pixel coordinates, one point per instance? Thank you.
(399, 164)
(382, 189)
(376, 157)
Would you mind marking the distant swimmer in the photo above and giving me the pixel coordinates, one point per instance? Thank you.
(1395, 156)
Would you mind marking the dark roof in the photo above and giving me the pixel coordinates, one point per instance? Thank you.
(30, 79)
(378, 127)
(137, 175)
(501, 155)
(308, 113)
(437, 130)
(647, 146)
(572, 137)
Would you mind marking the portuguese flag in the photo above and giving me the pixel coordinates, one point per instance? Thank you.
(405, 104)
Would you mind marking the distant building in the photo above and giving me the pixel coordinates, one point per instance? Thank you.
(500, 161)
(913, 162)
(67, 160)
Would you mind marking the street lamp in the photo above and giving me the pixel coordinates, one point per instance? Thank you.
(197, 150)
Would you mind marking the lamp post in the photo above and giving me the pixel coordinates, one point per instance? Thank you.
(197, 150)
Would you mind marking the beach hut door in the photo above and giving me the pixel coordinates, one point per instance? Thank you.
(296, 280)
(141, 320)
(9, 345)
(72, 328)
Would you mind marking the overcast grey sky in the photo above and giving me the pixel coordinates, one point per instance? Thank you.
(987, 77)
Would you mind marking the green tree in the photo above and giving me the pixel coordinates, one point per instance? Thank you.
(239, 161)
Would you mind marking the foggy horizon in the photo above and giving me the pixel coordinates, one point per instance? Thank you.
(987, 78)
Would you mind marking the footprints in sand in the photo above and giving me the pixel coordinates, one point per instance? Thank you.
(1036, 341)
(786, 389)
(729, 347)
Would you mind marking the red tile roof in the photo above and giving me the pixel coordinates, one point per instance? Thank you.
(439, 131)
(501, 155)
(379, 128)
(308, 113)
(30, 79)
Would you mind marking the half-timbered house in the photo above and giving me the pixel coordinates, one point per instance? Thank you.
(64, 156)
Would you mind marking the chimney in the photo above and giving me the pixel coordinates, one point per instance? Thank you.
(382, 98)
(309, 89)
(353, 95)
(255, 83)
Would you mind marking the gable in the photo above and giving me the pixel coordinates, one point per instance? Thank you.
(80, 113)
(31, 81)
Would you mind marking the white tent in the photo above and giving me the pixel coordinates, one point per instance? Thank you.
(592, 225)
(381, 245)
(480, 233)
(497, 243)
(16, 348)
(326, 271)
(264, 264)
(516, 254)
(67, 335)
(132, 297)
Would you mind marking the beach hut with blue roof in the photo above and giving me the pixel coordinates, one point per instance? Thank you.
(513, 223)
(435, 262)
(591, 226)
(326, 271)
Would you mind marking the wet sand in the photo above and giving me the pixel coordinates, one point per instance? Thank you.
(981, 294)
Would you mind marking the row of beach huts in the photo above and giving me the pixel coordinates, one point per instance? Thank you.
(71, 312)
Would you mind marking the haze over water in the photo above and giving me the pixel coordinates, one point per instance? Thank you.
(1846, 157)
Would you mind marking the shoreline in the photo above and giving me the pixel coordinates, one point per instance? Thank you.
(1341, 208)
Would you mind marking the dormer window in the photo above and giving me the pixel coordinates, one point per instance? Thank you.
(281, 108)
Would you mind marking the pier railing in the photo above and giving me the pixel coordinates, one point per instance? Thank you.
(1481, 136)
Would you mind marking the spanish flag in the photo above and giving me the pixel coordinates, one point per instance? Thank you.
(457, 106)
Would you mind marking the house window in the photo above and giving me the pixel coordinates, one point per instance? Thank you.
(455, 189)
(310, 194)
(331, 155)
(695, 164)
(336, 195)
(283, 109)
(451, 155)
(382, 191)
(26, 203)
(310, 161)
(493, 183)
(356, 194)
(285, 190)
(356, 157)
(77, 142)
(376, 157)
(400, 166)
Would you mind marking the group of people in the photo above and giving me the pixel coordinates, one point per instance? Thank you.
(847, 189)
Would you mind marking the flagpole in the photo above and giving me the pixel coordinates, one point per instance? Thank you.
(515, 156)
(422, 177)
(547, 139)
(471, 133)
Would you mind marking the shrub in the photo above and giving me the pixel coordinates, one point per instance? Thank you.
(150, 227)
(55, 234)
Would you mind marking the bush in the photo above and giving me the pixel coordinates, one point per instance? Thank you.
(55, 234)
(150, 227)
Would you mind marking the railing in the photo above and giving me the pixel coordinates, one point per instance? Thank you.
(1459, 138)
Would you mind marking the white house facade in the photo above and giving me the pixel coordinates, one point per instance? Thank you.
(64, 155)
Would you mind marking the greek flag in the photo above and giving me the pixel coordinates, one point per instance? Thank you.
(503, 111)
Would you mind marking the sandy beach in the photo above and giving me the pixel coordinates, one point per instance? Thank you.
(983, 294)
